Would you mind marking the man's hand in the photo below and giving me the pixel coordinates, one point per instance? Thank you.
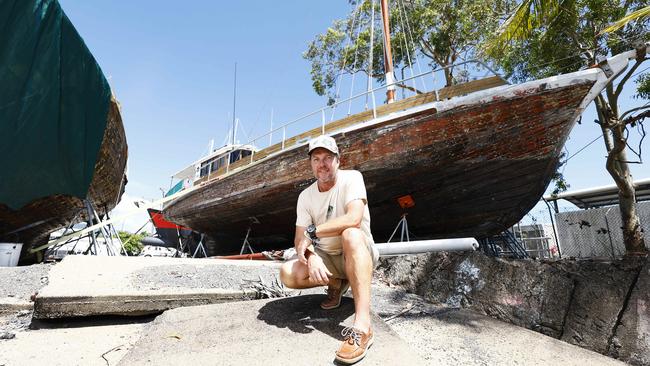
(318, 272)
(301, 247)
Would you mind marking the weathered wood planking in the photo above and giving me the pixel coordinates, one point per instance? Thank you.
(473, 170)
(364, 116)
(470, 87)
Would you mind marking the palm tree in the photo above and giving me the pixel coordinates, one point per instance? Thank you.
(531, 15)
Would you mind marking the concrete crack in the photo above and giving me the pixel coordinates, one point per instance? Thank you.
(622, 311)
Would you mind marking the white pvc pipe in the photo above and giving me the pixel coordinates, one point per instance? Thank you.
(426, 246)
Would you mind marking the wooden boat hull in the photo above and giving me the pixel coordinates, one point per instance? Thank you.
(35, 221)
(472, 169)
(62, 138)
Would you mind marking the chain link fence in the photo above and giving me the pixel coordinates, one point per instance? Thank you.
(597, 232)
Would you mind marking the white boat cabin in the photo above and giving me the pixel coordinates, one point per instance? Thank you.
(218, 160)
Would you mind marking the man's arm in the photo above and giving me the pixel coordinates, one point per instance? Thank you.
(318, 272)
(301, 242)
(352, 218)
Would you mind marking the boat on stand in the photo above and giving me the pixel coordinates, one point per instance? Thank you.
(467, 160)
(62, 141)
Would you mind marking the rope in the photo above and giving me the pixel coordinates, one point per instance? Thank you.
(579, 151)
(354, 73)
(406, 45)
(410, 33)
(372, 39)
(338, 83)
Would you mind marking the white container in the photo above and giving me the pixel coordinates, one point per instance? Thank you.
(9, 254)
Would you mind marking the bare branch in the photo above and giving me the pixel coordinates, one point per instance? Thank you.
(620, 85)
(643, 134)
(427, 49)
(635, 119)
(638, 154)
(409, 88)
(646, 106)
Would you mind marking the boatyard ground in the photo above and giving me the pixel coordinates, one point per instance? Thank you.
(412, 327)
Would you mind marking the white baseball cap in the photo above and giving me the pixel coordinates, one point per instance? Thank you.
(326, 142)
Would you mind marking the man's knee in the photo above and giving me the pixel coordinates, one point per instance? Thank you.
(353, 239)
(286, 274)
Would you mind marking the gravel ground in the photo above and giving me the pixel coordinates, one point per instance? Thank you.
(14, 322)
(23, 282)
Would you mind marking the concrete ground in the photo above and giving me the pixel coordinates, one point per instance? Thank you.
(92, 342)
(416, 329)
(286, 331)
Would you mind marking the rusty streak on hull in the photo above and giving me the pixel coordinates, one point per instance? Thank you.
(473, 170)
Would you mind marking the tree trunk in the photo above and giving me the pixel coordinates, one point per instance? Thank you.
(449, 78)
(618, 168)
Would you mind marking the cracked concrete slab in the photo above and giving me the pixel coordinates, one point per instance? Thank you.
(86, 285)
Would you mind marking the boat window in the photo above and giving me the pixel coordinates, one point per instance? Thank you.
(245, 153)
(205, 168)
(234, 156)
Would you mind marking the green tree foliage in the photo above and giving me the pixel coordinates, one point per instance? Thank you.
(559, 182)
(545, 38)
(555, 40)
(442, 31)
(131, 242)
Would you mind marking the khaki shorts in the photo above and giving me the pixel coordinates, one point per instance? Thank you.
(336, 263)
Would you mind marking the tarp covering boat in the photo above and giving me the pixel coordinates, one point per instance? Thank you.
(54, 104)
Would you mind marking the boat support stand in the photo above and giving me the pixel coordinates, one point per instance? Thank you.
(405, 229)
(199, 246)
(246, 245)
(108, 232)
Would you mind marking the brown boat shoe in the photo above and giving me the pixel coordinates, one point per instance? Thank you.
(355, 345)
(334, 295)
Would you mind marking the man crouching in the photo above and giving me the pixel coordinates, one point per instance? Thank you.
(332, 214)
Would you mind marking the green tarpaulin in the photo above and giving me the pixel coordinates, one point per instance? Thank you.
(54, 102)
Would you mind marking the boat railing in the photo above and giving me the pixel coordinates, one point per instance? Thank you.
(322, 121)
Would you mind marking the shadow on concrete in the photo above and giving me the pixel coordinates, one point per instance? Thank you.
(302, 314)
(91, 321)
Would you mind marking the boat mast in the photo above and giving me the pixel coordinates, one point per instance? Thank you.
(388, 57)
(234, 103)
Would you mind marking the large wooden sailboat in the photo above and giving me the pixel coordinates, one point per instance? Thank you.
(62, 143)
(459, 161)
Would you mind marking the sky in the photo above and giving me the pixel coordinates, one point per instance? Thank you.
(171, 66)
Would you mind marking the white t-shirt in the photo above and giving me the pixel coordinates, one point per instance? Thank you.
(315, 207)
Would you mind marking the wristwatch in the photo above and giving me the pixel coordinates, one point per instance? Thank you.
(311, 231)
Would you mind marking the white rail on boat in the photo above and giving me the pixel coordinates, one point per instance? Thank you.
(299, 128)
(334, 105)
